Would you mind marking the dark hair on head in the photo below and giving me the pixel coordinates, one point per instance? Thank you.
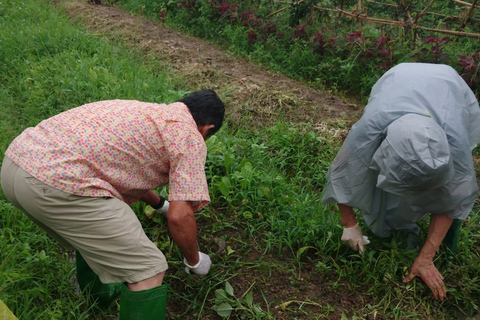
(206, 108)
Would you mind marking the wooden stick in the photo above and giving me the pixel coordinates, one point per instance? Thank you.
(280, 10)
(383, 4)
(463, 2)
(275, 12)
(467, 17)
(456, 33)
(423, 11)
(363, 17)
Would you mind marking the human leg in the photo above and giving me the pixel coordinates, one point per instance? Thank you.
(105, 231)
(99, 294)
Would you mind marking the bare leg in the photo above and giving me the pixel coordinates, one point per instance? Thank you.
(146, 284)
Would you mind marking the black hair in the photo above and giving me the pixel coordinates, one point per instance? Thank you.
(206, 108)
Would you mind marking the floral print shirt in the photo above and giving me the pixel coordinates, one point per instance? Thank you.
(117, 148)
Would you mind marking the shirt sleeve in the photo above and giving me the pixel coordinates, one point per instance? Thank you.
(187, 153)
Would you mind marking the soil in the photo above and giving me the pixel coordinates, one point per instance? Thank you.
(259, 97)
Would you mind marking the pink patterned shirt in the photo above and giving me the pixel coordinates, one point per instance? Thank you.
(119, 148)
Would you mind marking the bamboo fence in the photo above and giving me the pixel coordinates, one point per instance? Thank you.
(359, 13)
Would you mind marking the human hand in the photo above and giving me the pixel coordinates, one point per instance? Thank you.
(201, 268)
(354, 238)
(426, 270)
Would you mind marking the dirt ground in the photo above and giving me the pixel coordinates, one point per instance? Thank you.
(252, 94)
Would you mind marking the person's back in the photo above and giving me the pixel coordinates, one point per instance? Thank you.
(107, 148)
(433, 91)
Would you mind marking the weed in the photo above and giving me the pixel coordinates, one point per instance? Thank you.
(226, 302)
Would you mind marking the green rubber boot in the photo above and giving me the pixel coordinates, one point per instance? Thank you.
(148, 304)
(99, 294)
(451, 238)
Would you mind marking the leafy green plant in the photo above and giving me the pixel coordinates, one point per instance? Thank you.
(227, 303)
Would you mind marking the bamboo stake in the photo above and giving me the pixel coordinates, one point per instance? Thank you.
(456, 33)
(362, 17)
(275, 12)
(280, 10)
(468, 15)
(463, 2)
(360, 12)
(423, 11)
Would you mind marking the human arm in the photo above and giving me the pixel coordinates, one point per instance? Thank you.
(183, 228)
(423, 265)
(352, 233)
(347, 215)
(151, 198)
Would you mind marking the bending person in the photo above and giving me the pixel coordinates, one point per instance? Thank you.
(409, 156)
(76, 175)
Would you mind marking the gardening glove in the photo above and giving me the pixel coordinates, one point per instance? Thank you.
(354, 238)
(201, 268)
(162, 206)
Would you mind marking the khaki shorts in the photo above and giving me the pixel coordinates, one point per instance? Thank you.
(104, 230)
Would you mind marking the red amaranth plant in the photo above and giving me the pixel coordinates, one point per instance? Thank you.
(187, 4)
(435, 52)
(470, 71)
(300, 32)
(229, 10)
(252, 36)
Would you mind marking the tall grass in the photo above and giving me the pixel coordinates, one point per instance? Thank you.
(265, 187)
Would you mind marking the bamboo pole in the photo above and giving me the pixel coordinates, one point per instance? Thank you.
(469, 14)
(275, 12)
(360, 12)
(455, 33)
(423, 12)
(280, 10)
(362, 17)
(463, 2)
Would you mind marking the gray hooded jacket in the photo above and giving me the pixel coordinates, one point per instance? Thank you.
(410, 153)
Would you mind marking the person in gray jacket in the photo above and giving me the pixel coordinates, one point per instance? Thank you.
(410, 155)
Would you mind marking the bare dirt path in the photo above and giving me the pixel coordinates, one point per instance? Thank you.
(252, 92)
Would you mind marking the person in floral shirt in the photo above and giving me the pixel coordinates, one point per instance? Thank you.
(77, 173)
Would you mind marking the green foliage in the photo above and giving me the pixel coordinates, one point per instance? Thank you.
(322, 47)
(272, 179)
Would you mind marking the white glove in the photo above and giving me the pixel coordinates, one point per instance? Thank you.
(201, 268)
(163, 210)
(354, 238)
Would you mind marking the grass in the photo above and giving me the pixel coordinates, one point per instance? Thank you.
(265, 187)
